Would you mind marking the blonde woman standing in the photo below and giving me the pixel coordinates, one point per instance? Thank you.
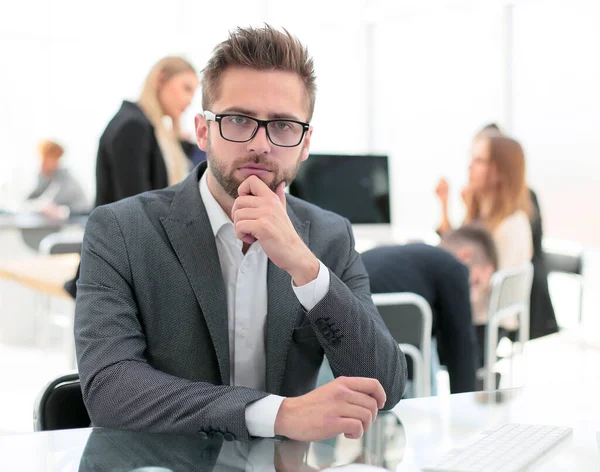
(137, 152)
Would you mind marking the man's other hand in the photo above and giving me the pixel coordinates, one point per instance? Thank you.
(348, 406)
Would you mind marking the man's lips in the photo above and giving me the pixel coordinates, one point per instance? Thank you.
(248, 170)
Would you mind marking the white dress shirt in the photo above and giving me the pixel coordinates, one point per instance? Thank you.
(245, 279)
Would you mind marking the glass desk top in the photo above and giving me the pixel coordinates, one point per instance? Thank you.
(406, 439)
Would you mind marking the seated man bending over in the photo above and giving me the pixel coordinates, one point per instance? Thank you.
(450, 277)
(207, 307)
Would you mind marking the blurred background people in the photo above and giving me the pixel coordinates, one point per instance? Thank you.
(497, 198)
(541, 311)
(137, 151)
(448, 277)
(542, 315)
(474, 246)
(57, 193)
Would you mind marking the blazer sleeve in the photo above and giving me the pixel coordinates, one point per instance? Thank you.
(120, 389)
(455, 331)
(130, 154)
(352, 333)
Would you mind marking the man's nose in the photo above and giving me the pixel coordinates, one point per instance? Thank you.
(260, 143)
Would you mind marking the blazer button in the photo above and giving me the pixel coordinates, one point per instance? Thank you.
(228, 437)
(202, 435)
(218, 435)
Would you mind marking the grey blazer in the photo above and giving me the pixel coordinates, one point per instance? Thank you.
(151, 318)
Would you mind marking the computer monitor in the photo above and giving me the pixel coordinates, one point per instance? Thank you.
(354, 186)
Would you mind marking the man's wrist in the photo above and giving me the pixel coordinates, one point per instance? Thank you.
(307, 269)
(281, 420)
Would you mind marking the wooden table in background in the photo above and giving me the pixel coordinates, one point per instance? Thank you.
(45, 274)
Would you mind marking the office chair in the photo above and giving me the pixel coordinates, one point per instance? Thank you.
(570, 263)
(510, 291)
(67, 242)
(60, 405)
(62, 242)
(408, 317)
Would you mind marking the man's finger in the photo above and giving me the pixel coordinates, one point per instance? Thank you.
(352, 428)
(244, 228)
(367, 386)
(254, 186)
(365, 401)
(247, 214)
(247, 201)
(358, 412)
(280, 192)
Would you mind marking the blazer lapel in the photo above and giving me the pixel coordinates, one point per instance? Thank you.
(282, 313)
(188, 228)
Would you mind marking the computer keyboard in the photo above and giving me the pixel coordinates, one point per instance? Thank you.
(510, 448)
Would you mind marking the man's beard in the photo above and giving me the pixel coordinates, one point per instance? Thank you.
(230, 183)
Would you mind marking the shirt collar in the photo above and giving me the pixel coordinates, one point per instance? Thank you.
(217, 217)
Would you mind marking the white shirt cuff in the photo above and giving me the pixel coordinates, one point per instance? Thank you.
(313, 292)
(261, 415)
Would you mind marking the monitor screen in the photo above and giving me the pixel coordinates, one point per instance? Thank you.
(356, 187)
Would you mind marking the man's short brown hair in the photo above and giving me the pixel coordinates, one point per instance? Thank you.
(262, 49)
(50, 149)
(476, 235)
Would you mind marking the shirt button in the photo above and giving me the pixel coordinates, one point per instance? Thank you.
(243, 270)
(243, 332)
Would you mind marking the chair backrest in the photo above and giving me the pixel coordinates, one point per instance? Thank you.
(564, 262)
(60, 405)
(65, 242)
(510, 292)
(408, 318)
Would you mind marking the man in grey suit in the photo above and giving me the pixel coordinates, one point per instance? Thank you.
(207, 307)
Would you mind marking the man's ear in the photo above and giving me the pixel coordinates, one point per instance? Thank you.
(201, 131)
(306, 144)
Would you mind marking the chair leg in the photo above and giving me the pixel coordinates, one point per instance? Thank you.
(419, 378)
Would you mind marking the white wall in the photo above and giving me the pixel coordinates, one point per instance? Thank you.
(436, 74)
(439, 78)
(557, 112)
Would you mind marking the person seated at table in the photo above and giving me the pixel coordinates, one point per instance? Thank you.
(207, 307)
(57, 192)
(447, 277)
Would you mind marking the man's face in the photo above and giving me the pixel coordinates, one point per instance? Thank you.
(263, 95)
(479, 280)
(49, 165)
(480, 271)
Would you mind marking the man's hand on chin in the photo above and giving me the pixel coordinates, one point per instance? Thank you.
(259, 214)
(348, 406)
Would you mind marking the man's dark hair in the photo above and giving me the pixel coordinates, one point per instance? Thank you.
(473, 234)
(264, 49)
(491, 126)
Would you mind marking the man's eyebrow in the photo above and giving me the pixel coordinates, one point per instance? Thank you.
(241, 111)
(271, 116)
(283, 116)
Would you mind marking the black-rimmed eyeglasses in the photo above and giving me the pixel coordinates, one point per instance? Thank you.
(242, 128)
